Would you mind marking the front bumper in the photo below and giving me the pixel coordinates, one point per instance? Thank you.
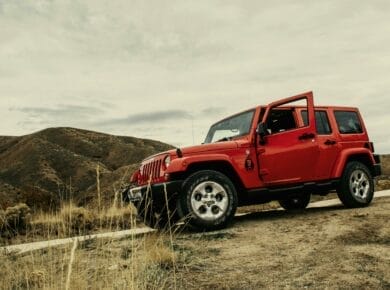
(154, 191)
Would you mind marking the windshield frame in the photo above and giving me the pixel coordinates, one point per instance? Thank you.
(253, 111)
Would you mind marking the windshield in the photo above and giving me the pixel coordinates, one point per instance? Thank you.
(235, 126)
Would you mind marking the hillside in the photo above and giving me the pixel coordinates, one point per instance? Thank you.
(385, 161)
(43, 168)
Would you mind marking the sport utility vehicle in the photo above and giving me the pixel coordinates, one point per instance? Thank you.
(285, 151)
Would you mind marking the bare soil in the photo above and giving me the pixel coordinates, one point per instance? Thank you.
(329, 247)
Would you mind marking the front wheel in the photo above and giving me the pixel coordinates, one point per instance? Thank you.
(208, 200)
(293, 203)
(356, 185)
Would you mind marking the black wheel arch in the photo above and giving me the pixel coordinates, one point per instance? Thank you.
(362, 158)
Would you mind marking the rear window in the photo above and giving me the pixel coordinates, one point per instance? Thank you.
(348, 122)
(322, 122)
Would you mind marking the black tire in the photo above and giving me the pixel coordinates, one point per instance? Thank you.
(295, 203)
(208, 200)
(356, 186)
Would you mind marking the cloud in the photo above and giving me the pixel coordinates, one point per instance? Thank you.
(155, 117)
(60, 112)
(162, 63)
(212, 111)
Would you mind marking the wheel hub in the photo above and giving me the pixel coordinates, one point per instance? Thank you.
(209, 200)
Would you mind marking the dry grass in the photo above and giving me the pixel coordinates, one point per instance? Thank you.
(131, 263)
(382, 183)
(72, 220)
(159, 253)
(292, 250)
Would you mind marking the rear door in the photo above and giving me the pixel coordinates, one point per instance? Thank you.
(289, 152)
(329, 148)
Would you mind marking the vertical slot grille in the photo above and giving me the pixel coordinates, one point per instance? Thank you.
(151, 169)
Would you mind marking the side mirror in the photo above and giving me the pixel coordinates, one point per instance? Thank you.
(261, 130)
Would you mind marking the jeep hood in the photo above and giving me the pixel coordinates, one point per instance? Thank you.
(212, 147)
(203, 149)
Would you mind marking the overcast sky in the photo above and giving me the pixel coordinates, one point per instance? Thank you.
(166, 70)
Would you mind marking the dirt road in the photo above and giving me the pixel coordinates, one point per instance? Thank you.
(320, 247)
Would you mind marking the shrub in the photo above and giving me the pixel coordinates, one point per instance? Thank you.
(14, 219)
(77, 219)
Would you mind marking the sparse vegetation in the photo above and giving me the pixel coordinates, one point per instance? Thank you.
(14, 220)
(72, 220)
(292, 250)
(56, 165)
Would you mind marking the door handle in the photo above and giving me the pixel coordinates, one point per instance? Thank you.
(330, 142)
(306, 136)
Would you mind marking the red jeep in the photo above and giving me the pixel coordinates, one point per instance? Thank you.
(285, 151)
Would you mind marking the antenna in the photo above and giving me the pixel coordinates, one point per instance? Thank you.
(192, 127)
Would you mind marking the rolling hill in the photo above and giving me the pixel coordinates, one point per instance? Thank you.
(55, 164)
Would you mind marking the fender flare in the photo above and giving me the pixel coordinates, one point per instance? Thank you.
(182, 164)
(345, 155)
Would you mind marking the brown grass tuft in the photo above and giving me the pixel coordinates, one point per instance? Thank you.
(78, 220)
(35, 279)
(72, 220)
(118, 217)
(159, 253)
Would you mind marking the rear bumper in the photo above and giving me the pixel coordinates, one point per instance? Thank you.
(154, 191)
(377, 170)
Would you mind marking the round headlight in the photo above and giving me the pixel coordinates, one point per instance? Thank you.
(167, 161)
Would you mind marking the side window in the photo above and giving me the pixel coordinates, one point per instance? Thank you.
(322, 122)
(281, 120)
(348, 122)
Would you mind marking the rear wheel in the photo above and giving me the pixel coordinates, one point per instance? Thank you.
(208, 200)
(299, 202)
(356, 185)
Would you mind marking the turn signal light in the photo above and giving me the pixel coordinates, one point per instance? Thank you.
(249, 164)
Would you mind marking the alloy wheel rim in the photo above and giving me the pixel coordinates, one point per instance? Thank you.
(359, 185)
(209, 200)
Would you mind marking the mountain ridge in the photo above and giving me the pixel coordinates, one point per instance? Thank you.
(55, 164)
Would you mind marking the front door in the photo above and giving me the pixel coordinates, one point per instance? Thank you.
(289, 152)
